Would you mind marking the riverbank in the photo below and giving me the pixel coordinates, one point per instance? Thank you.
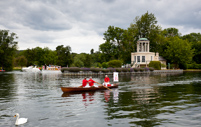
(88, 73)
(192, 70)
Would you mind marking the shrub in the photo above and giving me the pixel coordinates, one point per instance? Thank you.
(105, 70)
(95, 69)
(111, 69)
(146, 69)
(136, 69)
(85, 69)
(155, 64)
(71, 69)
(114, 63)
(105, 65)
(131, 70)
(141, 69)
(125, 69)
(151, 68)
(118, 69)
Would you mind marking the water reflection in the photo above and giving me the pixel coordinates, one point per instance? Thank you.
(140, 100)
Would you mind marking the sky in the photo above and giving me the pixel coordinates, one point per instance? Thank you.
(80, 24)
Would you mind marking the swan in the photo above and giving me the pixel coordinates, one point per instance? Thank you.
(20, 120)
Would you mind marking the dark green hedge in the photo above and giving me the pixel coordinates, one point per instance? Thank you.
(114, 63)
(193, 66)
(155, 64)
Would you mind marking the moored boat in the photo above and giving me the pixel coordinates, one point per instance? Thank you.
(83, 89)
(51, 69)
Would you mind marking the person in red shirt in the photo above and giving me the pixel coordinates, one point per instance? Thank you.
(91, 82)
(106, 81)
(84, 82)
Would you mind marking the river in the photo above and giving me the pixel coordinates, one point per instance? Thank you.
(144, 100)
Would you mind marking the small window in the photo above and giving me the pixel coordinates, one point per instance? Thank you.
(143, 58)
(135, 58)
(151, 58)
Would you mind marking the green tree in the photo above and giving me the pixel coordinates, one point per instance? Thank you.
(171, 32)
(195, 39)
(64, 55)
(49, 56)
(8, 47)
(21, 61)
(114, 63)
(146, 27)
(178, 51)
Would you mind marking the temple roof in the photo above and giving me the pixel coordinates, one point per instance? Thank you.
(143, 39)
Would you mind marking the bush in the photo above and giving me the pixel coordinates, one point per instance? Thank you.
(155, 64)
(105, 65)
(194, 66)
(111, 69)
(85, 69)
(125, 69)
(71, 69)
(114, 63)
(105, 70)
(95, 69)
(141, 69)
(118, 69)
(151, 68)
(136, 69)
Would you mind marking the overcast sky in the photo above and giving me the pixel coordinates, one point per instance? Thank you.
(80, 24)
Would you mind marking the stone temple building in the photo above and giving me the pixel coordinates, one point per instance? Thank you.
(143, 57)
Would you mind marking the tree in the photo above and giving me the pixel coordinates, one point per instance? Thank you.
(49, 56)
(146, 27)
(8, 47)
(195, 39)
(21, 61)
(171, 32)
(64, 55)
(178, 51)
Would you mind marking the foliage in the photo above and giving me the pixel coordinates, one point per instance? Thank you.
(64, 55)
(178, 51)
(155, 64)
(125, 69)
(71, 69)
(193, 66)
(8, 47)
(105, 70)
(21, 61)
(111, 69)
(105, 65)
(146, 27)
(136, 69)
(95, 69)
(151, 68)
(195, 40)
(114, 63)
(118, 69)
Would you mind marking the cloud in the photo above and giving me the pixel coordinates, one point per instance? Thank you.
(81, 24)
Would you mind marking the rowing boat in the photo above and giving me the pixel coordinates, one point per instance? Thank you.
(83, 89)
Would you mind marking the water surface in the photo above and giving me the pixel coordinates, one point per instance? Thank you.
(141, 100)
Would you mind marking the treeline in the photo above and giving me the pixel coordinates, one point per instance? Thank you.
(178, 50)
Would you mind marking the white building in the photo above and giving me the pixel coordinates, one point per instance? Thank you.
(142, 57)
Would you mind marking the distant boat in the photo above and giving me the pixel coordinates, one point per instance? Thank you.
(30, 69)
(51, 69)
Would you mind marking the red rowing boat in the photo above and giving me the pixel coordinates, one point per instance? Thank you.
(83, 89)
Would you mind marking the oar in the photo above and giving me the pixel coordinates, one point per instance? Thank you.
(104, 86)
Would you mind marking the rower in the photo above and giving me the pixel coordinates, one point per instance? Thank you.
(91, 82)
(106, 81)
